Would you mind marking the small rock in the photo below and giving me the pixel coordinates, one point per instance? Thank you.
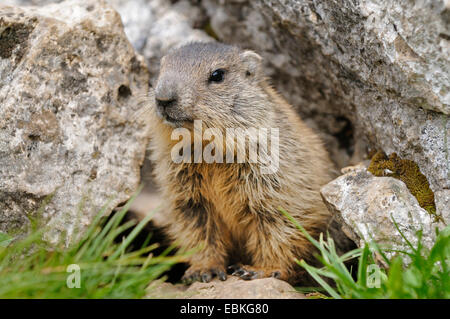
(366, 205)
(232, 288)
(165, 290)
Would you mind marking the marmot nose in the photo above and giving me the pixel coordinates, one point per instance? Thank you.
(166, 103)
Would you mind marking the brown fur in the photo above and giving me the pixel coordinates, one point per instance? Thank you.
(232, 210)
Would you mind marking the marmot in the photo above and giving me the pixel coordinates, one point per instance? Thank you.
(231, 210)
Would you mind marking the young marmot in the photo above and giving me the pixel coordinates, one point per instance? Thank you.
(231, 210)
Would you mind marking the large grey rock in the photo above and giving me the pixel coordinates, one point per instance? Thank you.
(367, 206)
(70, 140)
(382, 64)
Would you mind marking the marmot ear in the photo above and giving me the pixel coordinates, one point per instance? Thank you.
(252, 62)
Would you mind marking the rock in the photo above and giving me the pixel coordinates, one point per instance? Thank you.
(29, 2)
(152, 26)
(71, 136)
(366, 205)
(442, 200)
(165, 290)
(232, 288)
(365, 71)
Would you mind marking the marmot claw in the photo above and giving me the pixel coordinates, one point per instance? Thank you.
(203, 275)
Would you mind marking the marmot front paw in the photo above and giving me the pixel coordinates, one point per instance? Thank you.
(203, 274)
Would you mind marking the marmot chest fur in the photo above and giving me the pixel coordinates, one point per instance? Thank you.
(230, 208)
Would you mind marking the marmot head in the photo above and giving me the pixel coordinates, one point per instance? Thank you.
(212, 82)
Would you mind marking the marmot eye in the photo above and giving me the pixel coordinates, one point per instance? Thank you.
(217, 76)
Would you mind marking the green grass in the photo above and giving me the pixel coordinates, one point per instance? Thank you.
(109, 268)
(419, 273)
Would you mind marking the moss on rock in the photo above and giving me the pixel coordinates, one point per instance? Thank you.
(14, 39)
(408, 172)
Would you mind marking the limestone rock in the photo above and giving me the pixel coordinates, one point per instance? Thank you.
(383, 65)
(71, 138)
(29, 2)
(152, 26)
(367, 206)
(232, 288)
(442, 200)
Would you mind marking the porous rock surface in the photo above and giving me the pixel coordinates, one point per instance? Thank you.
(232, 288)
(368, 208)
(152, 26)
(71, 137)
